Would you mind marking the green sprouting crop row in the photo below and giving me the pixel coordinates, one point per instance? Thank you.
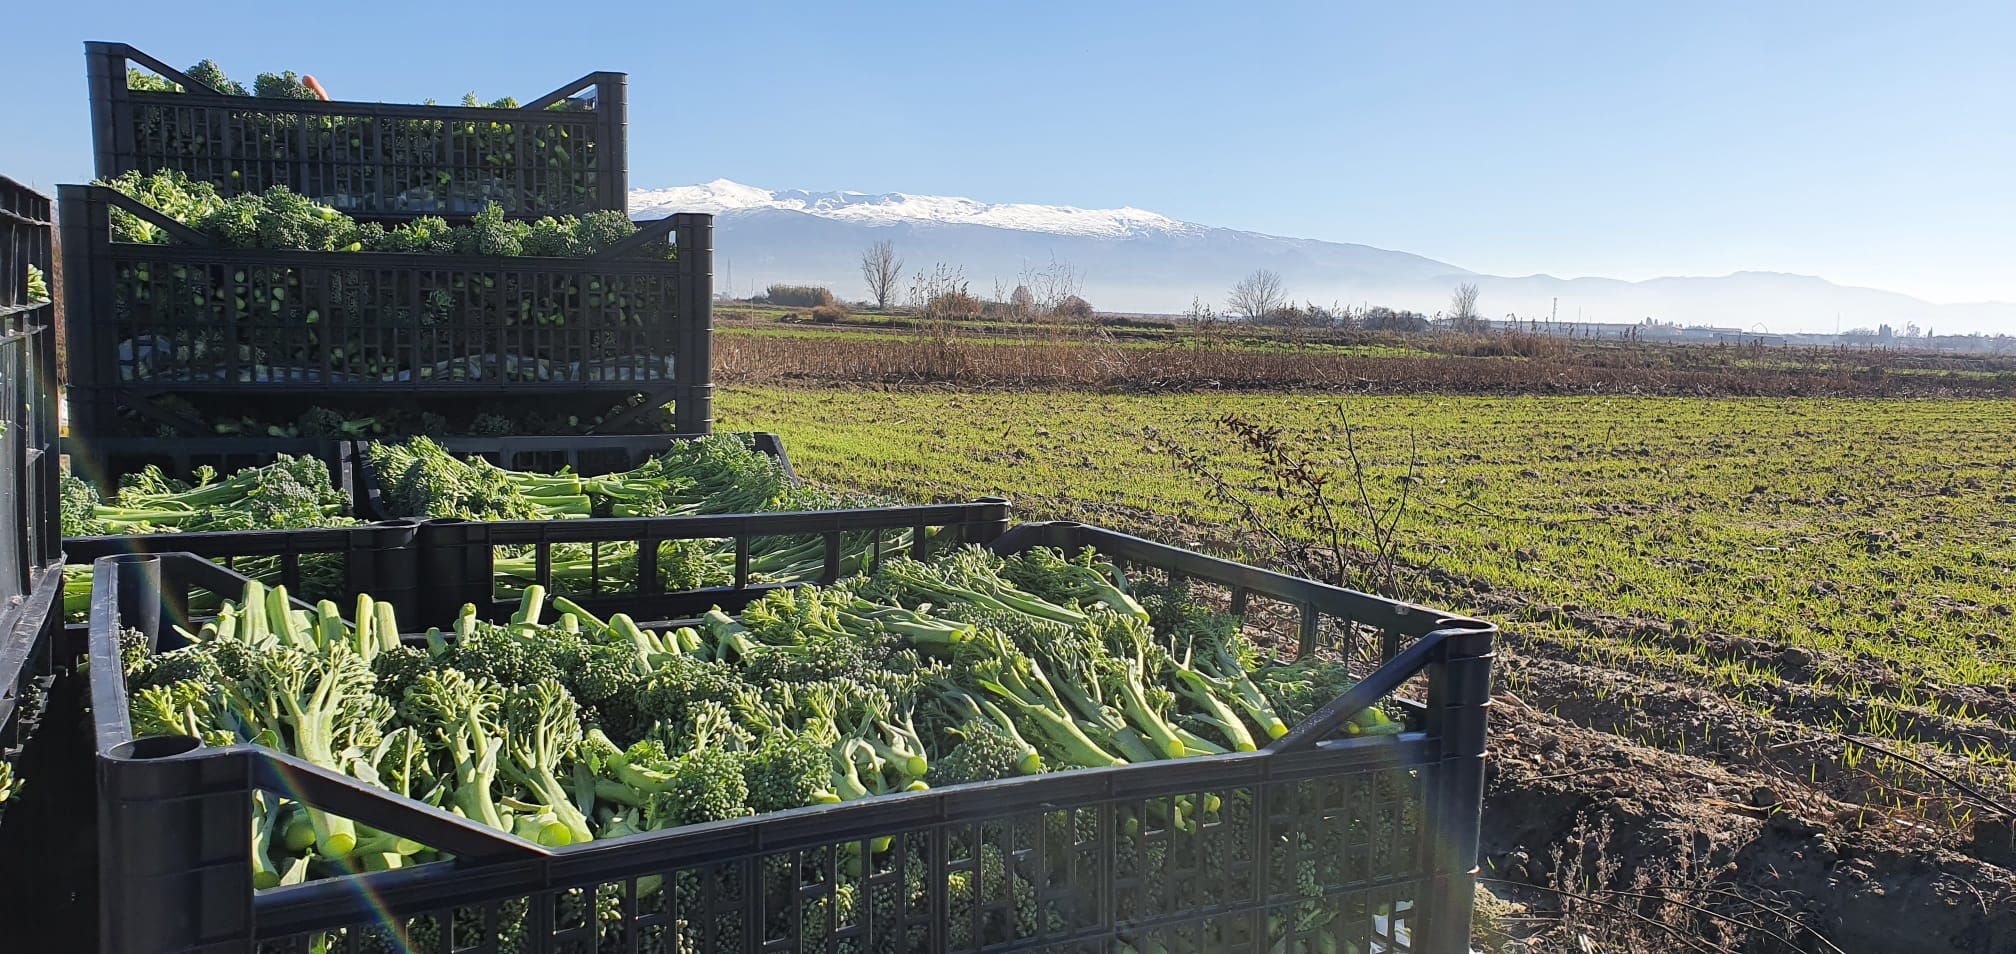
(1867, 531)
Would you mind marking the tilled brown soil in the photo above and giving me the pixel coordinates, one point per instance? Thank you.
(1758, 812)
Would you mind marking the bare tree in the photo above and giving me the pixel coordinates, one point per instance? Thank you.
(1051, 286)
(882, 270)
(1257, 295)
(1463, 304)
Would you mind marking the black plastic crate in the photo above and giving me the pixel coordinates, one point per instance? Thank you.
(28, 462)
(30, 658)
(193, 317)
(380, 558)
(369, 160)
(459, 559)
(588, 455)
(1396, 817)
(47, 891)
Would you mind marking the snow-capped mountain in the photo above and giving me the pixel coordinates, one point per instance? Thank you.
(1133, 260)
(893, 208)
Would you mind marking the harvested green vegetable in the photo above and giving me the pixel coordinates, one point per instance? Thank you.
(421, 479)
(38, 288)
(292, 493)
(282, 219)
(283, 85)
(561, 726)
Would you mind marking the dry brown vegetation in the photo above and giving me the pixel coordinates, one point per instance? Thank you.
(1495, 364)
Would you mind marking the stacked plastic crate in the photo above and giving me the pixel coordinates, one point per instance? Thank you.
(40, 693)
(211, 326)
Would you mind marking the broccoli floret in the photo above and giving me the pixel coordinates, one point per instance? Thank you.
(609, 687)
(841, 906)
(38, 288)
(490, 233)
(139, 79)
(682, 683)
(706, 785)
(189, 707)
(492, 425)
(294, 492)
(552, 237)
(397, 670)
(694, 786)
(420, 478)
(171, 192)
(401, 764)
(285, 85)
(984, 753)
(498, 654)
(1296, 691)
(463, 717)
(322, 423)
(316, 705)
(785, 772)
(599, 230)
(78, 503)
(427, 234)
(149, 481)
(542, 731)
(210, 74)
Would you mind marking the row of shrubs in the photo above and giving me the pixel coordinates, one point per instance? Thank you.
(949, 305)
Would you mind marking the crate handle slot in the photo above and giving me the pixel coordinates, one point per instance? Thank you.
(591, 79)
(138, 209)
(341, 795)
(123, 53)
(648, 232)
(1364, 695)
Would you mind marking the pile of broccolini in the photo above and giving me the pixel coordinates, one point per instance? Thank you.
(563, 727)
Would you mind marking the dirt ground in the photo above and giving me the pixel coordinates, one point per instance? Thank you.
(1760, 839)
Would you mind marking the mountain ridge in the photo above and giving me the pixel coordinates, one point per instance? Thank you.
(1137, 260)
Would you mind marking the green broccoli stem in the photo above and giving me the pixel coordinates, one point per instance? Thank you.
(265, 825)
(1133, 746)
(1244, 693)
(1203, 691)
(1043, 708)
(1126, 677)
(1194, 744)
(847, 782)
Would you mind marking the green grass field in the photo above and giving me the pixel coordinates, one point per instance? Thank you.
(1874, 534)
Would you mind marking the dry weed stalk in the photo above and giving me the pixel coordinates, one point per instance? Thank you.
(1329, 526)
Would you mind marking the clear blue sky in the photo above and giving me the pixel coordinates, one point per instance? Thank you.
(1868, 143)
